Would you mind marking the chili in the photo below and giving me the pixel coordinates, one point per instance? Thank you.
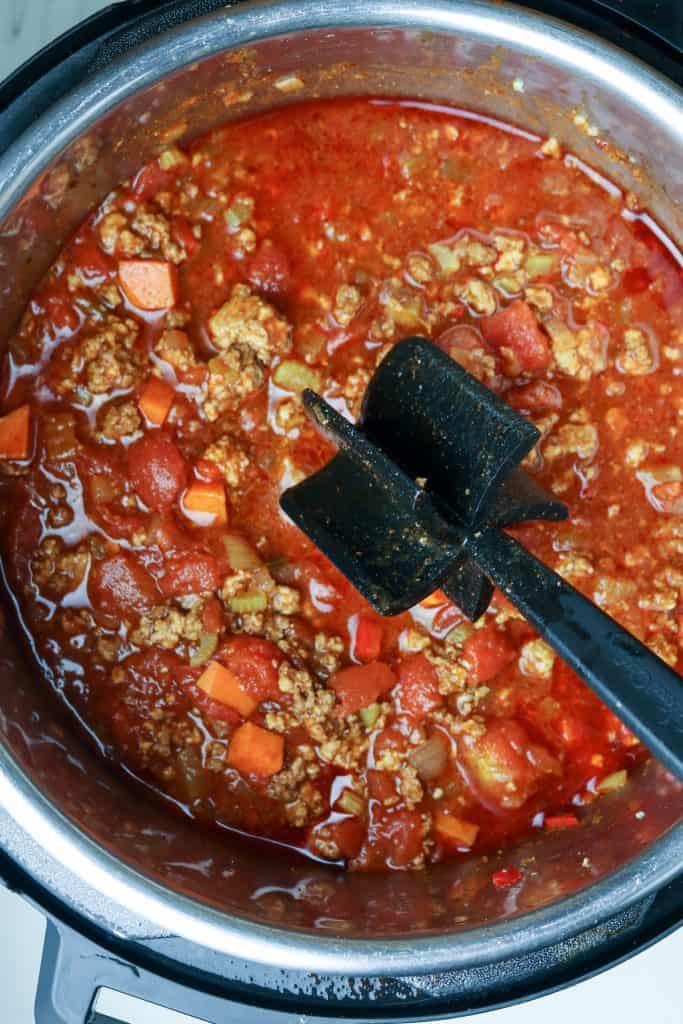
(152, 416)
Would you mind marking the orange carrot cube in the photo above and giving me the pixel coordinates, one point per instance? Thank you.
(256, 751)
(220, 684)
(149, 284)
(207, 498)
(455, 830)
(15, 434)
(156, 400)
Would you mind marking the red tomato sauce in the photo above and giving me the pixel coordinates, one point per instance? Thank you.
(152, 417)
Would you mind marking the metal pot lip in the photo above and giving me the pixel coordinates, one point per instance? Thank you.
(304, 952)
(182, 46)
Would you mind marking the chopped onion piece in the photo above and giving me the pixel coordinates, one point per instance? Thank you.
(539, 264)
(251, 601)
(429, 760)
(509, 284)
(369, 715)
(240, 553)
(351, 803)
(207, 648)
(294, 376)
(614, 781)
(447, 257)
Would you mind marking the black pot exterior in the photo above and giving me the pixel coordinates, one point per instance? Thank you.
(554, 949)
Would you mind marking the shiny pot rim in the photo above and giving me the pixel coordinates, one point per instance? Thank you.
(531, 34)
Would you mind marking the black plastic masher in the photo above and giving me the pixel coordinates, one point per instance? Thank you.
(416, 498)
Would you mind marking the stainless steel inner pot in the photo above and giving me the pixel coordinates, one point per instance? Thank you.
(140, 869)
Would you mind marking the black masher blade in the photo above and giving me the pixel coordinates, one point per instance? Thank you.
(519, 499)
(433, 418)
(373, 522)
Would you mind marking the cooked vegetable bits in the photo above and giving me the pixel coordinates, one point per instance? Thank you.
(152, 417)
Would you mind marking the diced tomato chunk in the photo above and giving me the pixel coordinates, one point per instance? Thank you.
(394, 838)
(557, 821)
(360, 685)
(635, 280)
(344, 833)
(218, 710)
(582, 723)
(15, 434)
(381, 785)
(506, 878)
(514, 333)
(119, 585)
(212, 616)
(487, 651)
(194, 572)
(121, 525)
(504, 766)
(157, 470)
(368, 643)
(151, 670)
(255, 662)
(256, 751)
(462, 344)
(163, 530)
(149, 284)
(417, 691)
(538, 396)
(669, 497)
(181, 229)
(150, 180)
(348, 834)
(208, 471)
(93, 265)
(518, 632)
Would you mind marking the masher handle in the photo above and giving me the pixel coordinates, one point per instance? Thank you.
(641, 689)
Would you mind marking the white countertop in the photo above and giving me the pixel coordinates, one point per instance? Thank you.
(645, 989)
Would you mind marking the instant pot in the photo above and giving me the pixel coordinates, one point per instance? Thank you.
(138, 899)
